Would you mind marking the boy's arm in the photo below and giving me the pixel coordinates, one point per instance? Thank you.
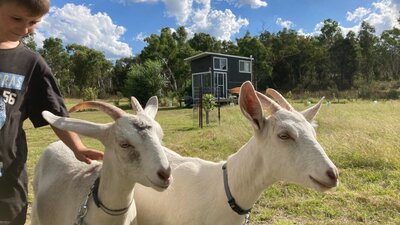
(73, 141)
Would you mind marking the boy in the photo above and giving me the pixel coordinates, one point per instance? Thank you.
(27, 87)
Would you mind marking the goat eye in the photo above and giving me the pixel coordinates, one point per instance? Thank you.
(284, 136)
(125, 145)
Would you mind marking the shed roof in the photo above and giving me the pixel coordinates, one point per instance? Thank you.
(204, 54)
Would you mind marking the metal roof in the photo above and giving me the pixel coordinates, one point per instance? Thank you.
(204, 54)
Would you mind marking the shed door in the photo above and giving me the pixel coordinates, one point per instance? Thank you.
(220, 85)
(201, 84)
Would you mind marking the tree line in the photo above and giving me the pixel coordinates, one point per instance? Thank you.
(284, 60)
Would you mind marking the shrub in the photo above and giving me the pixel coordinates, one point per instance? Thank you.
(90, 94)
(392, 94)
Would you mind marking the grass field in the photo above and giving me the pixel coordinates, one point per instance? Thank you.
(362, 139)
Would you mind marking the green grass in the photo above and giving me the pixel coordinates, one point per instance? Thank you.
(360, 137)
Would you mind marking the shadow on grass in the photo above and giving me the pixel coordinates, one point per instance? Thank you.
(187, 129)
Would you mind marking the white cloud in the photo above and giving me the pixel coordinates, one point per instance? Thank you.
(136, 1)
(358, 14)
(383, 16)
(198, 16)
(220, 24)
(141, 36)
(316, 32)
(254, 4)
(284, 23)
(76, 24)
(181, 10)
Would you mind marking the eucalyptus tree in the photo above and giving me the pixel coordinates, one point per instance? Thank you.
(29, 41)
(90, 68)
(120, 72)
(253, 47)
(345, 61)
(144, 80)
(162, 48)
(56, 56)
(390, 54)
(203, 42)
(368, 44)
(285, 52)
(170, 48)
(330, 33)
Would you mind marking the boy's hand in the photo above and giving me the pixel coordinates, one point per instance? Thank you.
(86, 155)
(82, 153)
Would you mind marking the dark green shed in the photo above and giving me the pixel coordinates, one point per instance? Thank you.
(218, 73)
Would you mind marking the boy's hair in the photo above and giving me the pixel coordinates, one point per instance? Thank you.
(36, 7)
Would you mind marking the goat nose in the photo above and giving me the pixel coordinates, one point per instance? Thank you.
(332, 173)
(164, 174)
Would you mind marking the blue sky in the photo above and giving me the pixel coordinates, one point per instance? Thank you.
(118, 27)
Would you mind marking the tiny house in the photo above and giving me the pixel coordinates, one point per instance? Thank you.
(217, 73)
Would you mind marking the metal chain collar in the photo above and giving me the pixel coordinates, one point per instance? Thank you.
(83, 210)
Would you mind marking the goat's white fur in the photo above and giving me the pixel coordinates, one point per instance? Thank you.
(133, 153)
(283, 148)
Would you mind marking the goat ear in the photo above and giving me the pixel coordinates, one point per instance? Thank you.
(311, 112)
(152, 107)
(280, 99)
(136, 107)
(270, 105)
(82, 127)
(251, 106)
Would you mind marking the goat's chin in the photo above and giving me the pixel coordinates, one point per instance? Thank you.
(158, 186)
(321, 186)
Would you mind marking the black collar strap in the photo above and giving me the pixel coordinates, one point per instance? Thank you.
(99, 204)
(231, 200)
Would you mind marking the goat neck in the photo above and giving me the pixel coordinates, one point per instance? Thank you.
(248, 174)
(115, 191)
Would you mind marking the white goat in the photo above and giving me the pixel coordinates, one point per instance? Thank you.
(283, 148)
(133, 153)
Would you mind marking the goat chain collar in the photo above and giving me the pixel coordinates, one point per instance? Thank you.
(84, 208)
(99, 204)
(231, 200)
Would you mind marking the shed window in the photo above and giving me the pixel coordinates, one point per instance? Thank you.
(244, 66)
(220, 63)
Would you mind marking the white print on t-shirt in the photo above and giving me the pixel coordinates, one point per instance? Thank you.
(9, 97)
(11, 81)
(2, 112)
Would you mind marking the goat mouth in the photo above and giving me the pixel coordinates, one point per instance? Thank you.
(162, 186)
(322, 184)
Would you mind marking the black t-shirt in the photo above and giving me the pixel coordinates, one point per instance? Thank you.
(27, 87)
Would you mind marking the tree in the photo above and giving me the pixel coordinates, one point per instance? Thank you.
(203, 42)
(285, 51)
(144, 80)
(390, 54)
(57, 58)
(368, 42)
(90, 68)
(162, 48)
(29, 41)
(170, 49)
(208, 105)
(344, 58)
(252, 47)
(120, 73)
(330, 32)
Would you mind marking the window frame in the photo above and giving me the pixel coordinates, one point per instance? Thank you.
(245, 61)
(220, 58)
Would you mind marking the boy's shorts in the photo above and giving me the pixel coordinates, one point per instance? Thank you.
(13, 198)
